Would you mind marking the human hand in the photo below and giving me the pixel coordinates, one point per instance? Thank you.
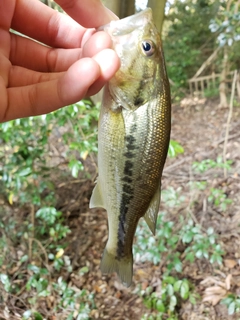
(70, 62)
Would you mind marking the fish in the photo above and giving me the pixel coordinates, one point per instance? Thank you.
(133, 139)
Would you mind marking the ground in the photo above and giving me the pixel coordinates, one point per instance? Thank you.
(200, 127)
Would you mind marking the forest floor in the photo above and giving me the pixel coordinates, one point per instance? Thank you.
(199, 126)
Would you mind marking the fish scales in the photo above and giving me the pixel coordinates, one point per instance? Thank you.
(133, 139)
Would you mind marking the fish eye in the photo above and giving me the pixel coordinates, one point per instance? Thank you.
(147, 47)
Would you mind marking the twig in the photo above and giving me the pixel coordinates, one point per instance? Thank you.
(233, 136)
(204, 210)
(32, 214)
(177, 163)
(228, 122)
(71, 182)
(44, 253)
(191, 198)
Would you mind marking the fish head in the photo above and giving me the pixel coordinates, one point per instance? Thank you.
(137, 43)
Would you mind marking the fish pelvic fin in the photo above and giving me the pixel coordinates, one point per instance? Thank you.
(123, 267)
(96, 200)
(152, 211)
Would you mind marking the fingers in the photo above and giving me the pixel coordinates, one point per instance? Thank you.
(45, 97)
(84, 77)
(20, 77)
(56, 29)
(98, 42)
(109, 64)
(46, 25)
(32, 55)
(90, 14)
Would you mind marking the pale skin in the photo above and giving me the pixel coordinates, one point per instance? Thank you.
(71, 62)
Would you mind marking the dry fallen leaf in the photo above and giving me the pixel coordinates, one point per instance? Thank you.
(228, 281)
(230, 263)
(218, 291)
(145, 284)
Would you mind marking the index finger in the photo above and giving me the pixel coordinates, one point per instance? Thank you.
(89, 13)
(42, 23)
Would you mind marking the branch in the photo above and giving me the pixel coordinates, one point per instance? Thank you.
(228, 121)
(206, 63)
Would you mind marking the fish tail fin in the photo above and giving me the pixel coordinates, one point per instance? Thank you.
(123, 267)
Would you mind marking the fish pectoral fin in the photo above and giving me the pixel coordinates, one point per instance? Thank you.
(123, 267)
(96, 200)
(152, 211)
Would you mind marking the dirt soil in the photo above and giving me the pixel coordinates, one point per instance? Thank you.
(199, 126)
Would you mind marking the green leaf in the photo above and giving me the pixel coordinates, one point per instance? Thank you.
(34, 268)
(148, 302)
(173, 303)
(190, 257)
(178, 265)
(177, 285)
(25, 172)
(192, 299)
(210, 231)
(199, 254)
(205, 254)
(169, 279)
(37, 316)
(184, 290)
(170, 289)
(84, 270)
(5, 281)
(211, 239)
(174, 149)
(231, 308)
(187, 237)
(27, 314)
(160, 306)
(75, 166)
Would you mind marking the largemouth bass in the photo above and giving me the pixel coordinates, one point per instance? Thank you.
(133, 138)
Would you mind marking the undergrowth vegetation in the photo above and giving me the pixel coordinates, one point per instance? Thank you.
(178, 241)
(28, 159)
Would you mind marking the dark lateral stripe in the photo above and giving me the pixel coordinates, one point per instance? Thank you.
(128, 168)
(127, 189)
(126, 198)
(127, 179)
(129, 155)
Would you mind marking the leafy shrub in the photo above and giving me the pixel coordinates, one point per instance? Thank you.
(163, 248)
(173, 290)
(25, 174)
(233, 303)
(25, 144)
(175, 149)
(205, 165)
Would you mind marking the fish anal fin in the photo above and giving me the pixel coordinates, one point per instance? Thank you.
(123, 267)
(96, 200)
(152, 211)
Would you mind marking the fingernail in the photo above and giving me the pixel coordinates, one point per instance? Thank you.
(111, 15)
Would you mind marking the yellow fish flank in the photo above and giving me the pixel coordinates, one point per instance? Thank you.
(133, 138)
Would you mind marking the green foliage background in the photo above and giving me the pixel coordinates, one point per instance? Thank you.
(192, 31)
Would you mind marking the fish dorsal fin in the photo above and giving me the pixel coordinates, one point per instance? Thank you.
(96, 200)
(152, 211)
